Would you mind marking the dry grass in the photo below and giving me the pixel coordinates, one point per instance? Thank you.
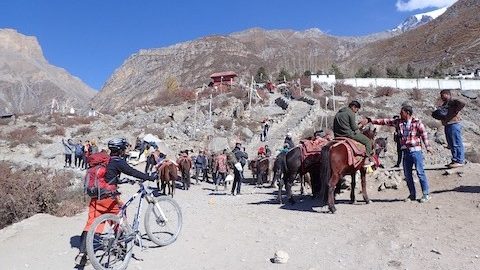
(42, 191)
(56, 131)
(27, 136)
(343, 90)
(173, 97)
(82, 131)
(385, 92)
(416, 94)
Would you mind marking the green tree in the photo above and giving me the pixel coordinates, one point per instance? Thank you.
(360, 73)
(336, 70)
(394, 73)
(261, 75)
(307, 73)
(284, 75)
(410, 71)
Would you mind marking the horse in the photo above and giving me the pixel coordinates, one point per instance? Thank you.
(185, 164)
(335, 164)
(293, 167)
(168, 174)
(260, 170)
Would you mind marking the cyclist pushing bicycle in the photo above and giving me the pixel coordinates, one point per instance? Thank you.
(101, 184)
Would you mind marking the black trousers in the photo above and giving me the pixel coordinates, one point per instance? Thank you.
(68, 159)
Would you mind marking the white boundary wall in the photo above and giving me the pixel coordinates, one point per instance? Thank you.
(414, 83)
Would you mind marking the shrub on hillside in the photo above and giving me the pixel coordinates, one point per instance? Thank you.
(416, 94)
(27, 136)
(56, 131)
(82, 131)
(41, 191)
(344, 89)
(385, 92)
(173, 97)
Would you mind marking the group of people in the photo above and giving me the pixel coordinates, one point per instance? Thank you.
(78, 152)
(410, 135)
(218, 165)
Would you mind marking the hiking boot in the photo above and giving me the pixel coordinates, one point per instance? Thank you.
(425, 198)
(454, 165)
(410, 199)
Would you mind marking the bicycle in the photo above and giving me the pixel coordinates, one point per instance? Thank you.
(111, 238)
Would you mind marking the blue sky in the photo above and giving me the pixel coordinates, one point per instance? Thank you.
(91, 38)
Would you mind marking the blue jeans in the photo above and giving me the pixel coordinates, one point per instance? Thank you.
(410, 159)
(453, 133)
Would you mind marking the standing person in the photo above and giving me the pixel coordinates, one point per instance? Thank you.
(241, 158)
(221, 168)
(268, 152)
(69, 148)
(413, 133)
(266, 127)
(288, 140)
(108, 202)
(397, 137)
(94, 147)
(86, 154)
(345, 125)
(453, 128)
(79, 153)
(200, 166)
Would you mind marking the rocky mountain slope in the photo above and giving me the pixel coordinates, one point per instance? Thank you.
(451, 40)
(417, 20)
(145, 73)
(28, 83)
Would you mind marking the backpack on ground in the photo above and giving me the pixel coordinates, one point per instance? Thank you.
(95, 184)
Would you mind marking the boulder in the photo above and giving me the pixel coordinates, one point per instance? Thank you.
(280, 257)
(217, 144)
(247, 132)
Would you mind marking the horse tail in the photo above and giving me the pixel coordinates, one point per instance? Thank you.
(325, 171)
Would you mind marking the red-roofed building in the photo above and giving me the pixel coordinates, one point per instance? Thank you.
(219, 78)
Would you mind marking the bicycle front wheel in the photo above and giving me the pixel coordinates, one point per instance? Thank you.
(109, 243)
(163, 221)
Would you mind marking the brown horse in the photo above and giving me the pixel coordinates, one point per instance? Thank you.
(260, 170)
(185, 164)
(334, 165)
(168, 174)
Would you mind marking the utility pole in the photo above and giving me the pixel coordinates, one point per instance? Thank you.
(251, 92)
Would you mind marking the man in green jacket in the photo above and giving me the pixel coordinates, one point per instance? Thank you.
(345, 125)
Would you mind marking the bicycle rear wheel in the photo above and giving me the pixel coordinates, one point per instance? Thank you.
(109, 243)
(163, 221)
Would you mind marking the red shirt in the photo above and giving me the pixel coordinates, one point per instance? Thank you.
(410, 138)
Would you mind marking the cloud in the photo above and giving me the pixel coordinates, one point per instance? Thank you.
(410, 5)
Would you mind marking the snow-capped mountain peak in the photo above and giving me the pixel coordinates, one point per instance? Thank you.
(416, 20)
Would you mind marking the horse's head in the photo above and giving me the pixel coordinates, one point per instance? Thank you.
(380, 145)
(369, 132)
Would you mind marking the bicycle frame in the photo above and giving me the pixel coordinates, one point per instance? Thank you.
(143, 192)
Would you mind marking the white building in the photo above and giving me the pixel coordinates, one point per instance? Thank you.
(322, 79)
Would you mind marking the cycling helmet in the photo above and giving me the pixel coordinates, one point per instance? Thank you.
(117, 144)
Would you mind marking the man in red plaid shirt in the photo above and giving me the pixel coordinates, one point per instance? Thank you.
(412, 134)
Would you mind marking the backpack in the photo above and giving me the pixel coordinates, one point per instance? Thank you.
(95, 184)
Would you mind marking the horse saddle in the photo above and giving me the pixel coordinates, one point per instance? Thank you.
(312, 147)
(356, 151)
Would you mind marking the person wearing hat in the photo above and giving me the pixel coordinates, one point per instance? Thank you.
(345, 125)
(288, 140)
